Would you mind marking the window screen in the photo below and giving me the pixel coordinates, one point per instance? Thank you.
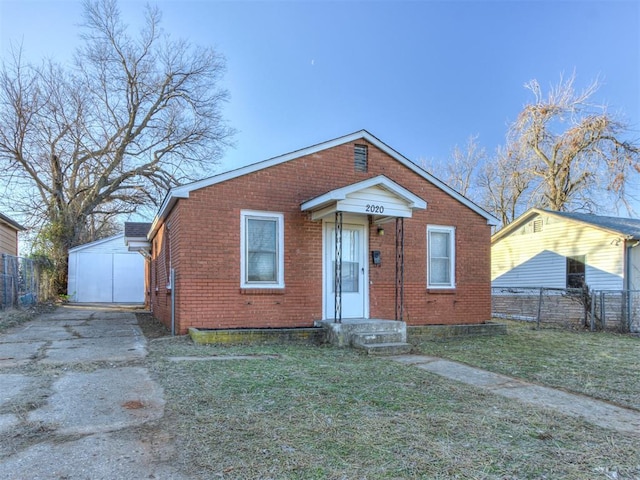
(262, 250)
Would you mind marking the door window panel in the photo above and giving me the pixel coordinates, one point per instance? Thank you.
(350, 260)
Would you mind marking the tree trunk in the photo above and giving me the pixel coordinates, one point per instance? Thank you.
(63, 234)
(61, 276)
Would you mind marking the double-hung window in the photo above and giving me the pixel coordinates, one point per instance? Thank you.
(576, 269)
(441, 260)
(262, 246)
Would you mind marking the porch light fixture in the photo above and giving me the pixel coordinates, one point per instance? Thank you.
(380, 231)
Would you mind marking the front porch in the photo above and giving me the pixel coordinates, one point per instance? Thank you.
(374, 336)
(347, 214)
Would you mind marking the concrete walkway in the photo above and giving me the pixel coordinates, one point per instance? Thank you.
(591, 410)
(76, 400)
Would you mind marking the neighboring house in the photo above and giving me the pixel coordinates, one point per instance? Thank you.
(105, 271)
(544, 248)
(9, 235)
(348, 228)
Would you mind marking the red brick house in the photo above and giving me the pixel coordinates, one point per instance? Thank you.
(348, 228)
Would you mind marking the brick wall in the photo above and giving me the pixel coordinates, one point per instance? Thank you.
(204, 234)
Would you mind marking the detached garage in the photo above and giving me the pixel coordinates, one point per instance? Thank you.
(105, 271)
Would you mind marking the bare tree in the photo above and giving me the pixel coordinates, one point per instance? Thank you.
(573, 151)
(460, 171)
(131, 117)
(503, 183)
(562, 153)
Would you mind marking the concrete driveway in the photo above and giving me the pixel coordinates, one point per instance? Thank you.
(76, 401)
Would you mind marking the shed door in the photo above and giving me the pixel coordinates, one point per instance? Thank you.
(94, 277)
(110, 277)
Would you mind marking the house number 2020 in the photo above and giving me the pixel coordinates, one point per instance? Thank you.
(374, 208)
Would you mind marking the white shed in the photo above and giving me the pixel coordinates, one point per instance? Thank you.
(105, 271)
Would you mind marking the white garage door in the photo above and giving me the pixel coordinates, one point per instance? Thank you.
(110, 278)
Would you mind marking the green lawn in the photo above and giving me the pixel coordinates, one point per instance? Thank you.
(324, 413)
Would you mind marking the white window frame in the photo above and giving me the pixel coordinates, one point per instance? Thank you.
(245, 215)
(452, 248)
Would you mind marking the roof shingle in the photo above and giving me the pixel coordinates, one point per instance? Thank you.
(136, 229)
(625, 226)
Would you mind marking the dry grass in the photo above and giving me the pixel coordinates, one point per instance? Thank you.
(602, 365)
(324, 413)
(13, 317)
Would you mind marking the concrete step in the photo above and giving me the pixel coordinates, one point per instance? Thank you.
(377, 337)
(365, 331)
(394, 348)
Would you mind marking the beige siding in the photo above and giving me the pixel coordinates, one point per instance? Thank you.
(538, 258)
(8, 240)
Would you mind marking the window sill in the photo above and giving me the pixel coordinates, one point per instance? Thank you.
(442, 291)
(262, 291)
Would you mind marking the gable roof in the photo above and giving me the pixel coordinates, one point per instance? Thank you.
(628, 227)
(408, 200)
(97, 242)
(183, 191)
(341, 193)
(11, 223)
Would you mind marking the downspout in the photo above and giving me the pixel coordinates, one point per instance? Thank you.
(148, 265)
(627, 279)
(627, 263)
(172, 276)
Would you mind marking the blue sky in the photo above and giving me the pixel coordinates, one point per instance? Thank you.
(422, 76)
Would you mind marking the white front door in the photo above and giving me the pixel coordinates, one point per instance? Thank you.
(354, 271)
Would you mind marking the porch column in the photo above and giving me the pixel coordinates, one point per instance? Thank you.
(399, 268)
(337, 278)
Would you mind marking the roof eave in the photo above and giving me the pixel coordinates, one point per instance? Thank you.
(526, 216)
(11, 223)
(167, 205)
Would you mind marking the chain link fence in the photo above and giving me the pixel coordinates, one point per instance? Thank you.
(18, 282)
(574, 308)
(616, 310)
